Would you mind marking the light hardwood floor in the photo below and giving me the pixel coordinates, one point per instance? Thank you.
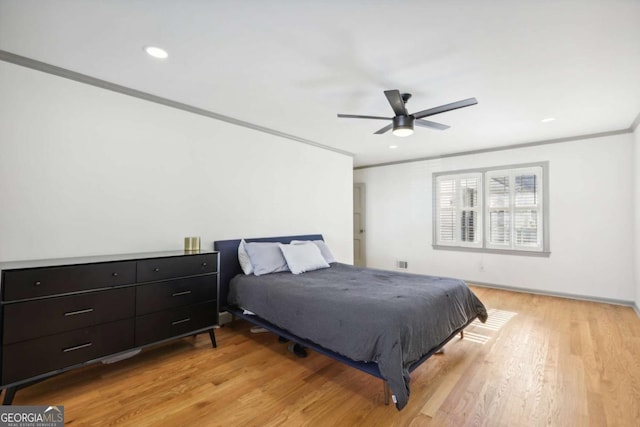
(538, 361)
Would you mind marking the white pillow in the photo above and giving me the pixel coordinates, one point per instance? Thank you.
(303, 257)
(243, 258)
(324, 249)
(266, 257)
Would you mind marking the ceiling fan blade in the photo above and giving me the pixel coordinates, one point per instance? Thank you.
(355, 116)
(384, 129)
(395, 99)
(447, 107)
(430, 124)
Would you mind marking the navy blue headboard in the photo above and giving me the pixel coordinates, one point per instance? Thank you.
(229, 265)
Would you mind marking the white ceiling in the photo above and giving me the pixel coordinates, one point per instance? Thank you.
(292, 65)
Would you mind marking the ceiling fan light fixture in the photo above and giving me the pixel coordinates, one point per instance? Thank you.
(403, 126)
(402, 123)
(402, 132)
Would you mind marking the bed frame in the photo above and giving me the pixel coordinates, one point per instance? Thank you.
(230, 267)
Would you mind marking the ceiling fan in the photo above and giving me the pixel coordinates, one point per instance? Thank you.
(402, 122)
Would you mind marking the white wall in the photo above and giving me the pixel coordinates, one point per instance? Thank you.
(88, 171)
(636, 171)
(590, 189)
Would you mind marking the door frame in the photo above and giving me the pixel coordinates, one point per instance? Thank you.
(362, 233)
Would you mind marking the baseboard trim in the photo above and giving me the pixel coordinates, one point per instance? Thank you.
(557, 294)
(224, 317)
(637, 310)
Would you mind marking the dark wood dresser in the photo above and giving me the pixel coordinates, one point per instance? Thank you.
(61, 314)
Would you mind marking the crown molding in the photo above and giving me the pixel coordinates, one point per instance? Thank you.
(103, 84)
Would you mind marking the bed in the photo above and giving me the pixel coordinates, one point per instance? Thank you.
(384, 323)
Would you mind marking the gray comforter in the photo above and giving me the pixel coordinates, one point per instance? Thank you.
(386, 317)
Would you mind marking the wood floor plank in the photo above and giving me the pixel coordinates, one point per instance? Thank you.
(539, 361)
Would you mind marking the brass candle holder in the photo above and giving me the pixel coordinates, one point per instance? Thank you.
(192, 244)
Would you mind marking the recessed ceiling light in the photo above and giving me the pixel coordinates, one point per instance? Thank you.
(547, 120)
(156, 52)
(393, 147)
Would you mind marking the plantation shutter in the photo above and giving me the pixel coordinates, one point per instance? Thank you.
(514, 209)
(458, 210)
(528, 209)
(447, 209)
(498, 210)
(470, 229)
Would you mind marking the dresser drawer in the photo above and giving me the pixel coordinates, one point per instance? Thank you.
(33, 319)
(39, 282)
(175, 293)
(166, 324)
(170, 268)
(35, 357)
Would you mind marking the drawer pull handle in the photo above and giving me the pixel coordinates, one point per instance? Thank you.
(115, 274)
(156, 269)
(37, 283)
(177, 322)
(177, 294)
(74, 313)
(77, 347)
(204, 264)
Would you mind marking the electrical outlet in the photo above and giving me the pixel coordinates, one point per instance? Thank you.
(402, 264)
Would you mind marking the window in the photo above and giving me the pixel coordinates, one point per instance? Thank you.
(498, 209)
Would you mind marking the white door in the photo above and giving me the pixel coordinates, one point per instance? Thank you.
(359, 232)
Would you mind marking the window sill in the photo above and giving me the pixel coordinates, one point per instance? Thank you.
(542, 254)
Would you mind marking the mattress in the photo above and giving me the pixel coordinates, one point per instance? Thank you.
(390, 318)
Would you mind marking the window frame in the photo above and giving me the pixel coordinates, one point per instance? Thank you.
(543, 249)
